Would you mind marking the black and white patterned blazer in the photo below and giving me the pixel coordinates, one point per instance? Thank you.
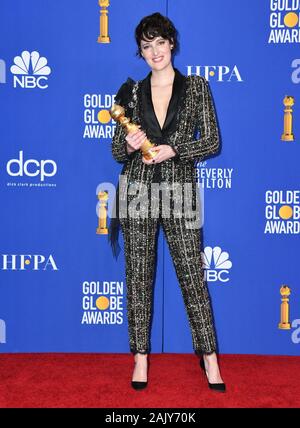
(190, 110)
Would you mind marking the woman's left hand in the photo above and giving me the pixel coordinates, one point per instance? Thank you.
(164, 152)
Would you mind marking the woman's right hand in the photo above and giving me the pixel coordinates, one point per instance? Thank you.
(135, 140)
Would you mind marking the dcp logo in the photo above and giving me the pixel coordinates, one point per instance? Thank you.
(31, 167)
(30, 63)
(2, 331)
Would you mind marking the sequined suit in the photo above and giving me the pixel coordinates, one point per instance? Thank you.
(190, 109)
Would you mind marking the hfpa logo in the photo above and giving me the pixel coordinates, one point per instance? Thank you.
(296, 332)
(296, 72)
(2, 71)
(216, 264)
(2, 331)
(27, 262)
(30, 63)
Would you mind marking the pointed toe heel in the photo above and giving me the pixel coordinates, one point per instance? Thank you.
(218, 387)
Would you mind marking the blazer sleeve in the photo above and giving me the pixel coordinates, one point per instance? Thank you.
(209, 141)
(118, 146)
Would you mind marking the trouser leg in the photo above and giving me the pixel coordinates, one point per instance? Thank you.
(139, 245)
(184, 245)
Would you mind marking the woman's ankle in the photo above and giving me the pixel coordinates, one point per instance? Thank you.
(140, 357)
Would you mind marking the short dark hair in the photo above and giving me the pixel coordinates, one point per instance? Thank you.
(156, 25)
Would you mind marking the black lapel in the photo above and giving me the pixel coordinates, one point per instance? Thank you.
(149, 116)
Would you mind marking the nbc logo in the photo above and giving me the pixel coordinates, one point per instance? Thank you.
(216, 264)
(30, 70)
(2, 331)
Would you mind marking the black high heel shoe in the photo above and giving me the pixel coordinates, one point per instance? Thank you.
(219, 387)
(138, 385)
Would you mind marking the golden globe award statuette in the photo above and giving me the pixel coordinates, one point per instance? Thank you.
(284, 324)
(102, 213)
(288, 119)
(104, 37)
(117, 112)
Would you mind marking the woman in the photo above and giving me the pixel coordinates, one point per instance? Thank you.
(169, 108)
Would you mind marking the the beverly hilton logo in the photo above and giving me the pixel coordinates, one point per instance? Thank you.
(30, 70)
(216, 264)
(284, 21)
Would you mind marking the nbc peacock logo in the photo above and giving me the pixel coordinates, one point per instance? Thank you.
(216, 264)
(284, 21)
(213, 178)
(30, 71)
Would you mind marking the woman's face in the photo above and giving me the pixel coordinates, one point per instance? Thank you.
(157, 53)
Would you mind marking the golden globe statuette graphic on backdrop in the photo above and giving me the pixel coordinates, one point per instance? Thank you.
(117, 112)
(284, 324)
(288, 119)
(102, 214)
(103, 37)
